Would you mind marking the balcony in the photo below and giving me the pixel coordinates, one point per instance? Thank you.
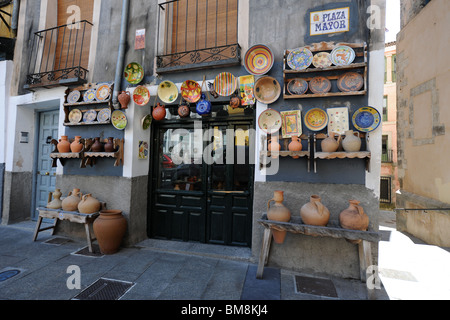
(387, 156)
(59, 56)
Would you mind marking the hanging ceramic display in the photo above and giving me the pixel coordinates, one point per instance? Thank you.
(75, 116)
(124, 99)
(338, 120)
(74, 96)
(246, 85)
(366, 119)
(322, 60)
(141, 96)
(270, 121)
(278, 212)
(316, 119)
(90, 116)
(146, 121)
(184, 111)
(320, 85)
(203, 106)
(267, 90)
(297, 86)
(342, 56)
(103, 92)
(134, 73)
(104, 115)
(159, 112)
(299, 59)
(225, 84)
(191, 91)
(259, 60)
(350, 81)
(167, 92)
(89, 95)
(119, 120)
(292, 123)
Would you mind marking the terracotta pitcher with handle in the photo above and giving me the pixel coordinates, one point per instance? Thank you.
(314, 213)
(278, 212)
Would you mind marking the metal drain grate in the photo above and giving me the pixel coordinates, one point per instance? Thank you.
(315, 286)
(85, 252)
(57, 241)
(105, 289)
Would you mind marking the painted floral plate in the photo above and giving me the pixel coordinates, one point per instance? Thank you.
(225, 84)
(258, 60)
(366, 119)
(75, 116)
(350, 81)
(322, 60)
(342, 56)
(146, 121)
(90, 116)
(270, 121)
(89, 95)
(267, 90)
(191, 91)
(297, 86)
(316, 119)
(103, 92)
(299, 59)
(167, 92)
(141, 96)
(119, 120)
(104, 115)
(320, 85)
(134, 73)
(74, 96)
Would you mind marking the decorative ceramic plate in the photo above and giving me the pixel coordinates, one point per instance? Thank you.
(267, 90)
(146, 121)
(75, 116)
(320, 85)
(292, 123)
(316, 119)
(90, 116)
(74, 96)
(322, 60)
(141, 96)
(342, 56)
(299, 59)
(350, 81)
(225, 84)
(191, 91)
(134, 73)
(119, 120)
(103, 92)
(259, 60)
(338, 120)
(270, 121)
(167, 92)
(104, 115)
(366, 119)
(89, 95)
(246, 85)
(297, 86)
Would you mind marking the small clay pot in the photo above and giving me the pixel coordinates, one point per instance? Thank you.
(76, 146)
(109, 146)
(64, 145)
(184, 111)
(159, 113)
(97, 146)
(295, 145)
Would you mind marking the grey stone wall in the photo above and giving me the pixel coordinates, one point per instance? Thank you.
(17, 194)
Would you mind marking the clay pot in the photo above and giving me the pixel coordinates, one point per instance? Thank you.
(76, 146)
(124, 99)
(235, 102)
(314, 213)
(204, 106)
(56, 203)
(295, 146)
(331, 144)
(274, 147)
(109, 146)
(278, 212)
(351, 143)
(159, 113)
(184, 111)
(109, 229)
(64, 145)
(97, 146)
(89, 204)
(354, 217)
(71, 202)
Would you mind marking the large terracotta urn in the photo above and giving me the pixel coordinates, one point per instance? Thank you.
(331, 144)
(314, 213)
(278, 212)
(89, 204)
(71, 202)
(295, 145)
(274, 147)
(56, 203)
(76, 146)
(351, 143)
(110, 228)
(64, 145)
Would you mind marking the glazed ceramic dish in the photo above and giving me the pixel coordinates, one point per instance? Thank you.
(270, 121)
(102, 93)
(342, 56)
(89, 95)
(225, 84)
(320, 85)
(259, 60)
(90, 116)
(146, 121)
(191, 91)
(104, 115)
(350, 81)
(297, 86)
(74, 96)
(299, 59)
(134, 73)
(168, 92)
(322, 60)
(338, 121)
(267, 90)
(366, 119)
(75, 116)
(119, 120)
(141, 96)
(316, 119)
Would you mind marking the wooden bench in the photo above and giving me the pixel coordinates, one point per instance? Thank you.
(296, 227)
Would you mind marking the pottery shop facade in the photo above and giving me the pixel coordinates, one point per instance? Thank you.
(206, 177)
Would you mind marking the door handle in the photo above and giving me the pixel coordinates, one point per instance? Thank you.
(47, 173)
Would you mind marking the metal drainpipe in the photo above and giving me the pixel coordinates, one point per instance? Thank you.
(121, 55)
(15, 16)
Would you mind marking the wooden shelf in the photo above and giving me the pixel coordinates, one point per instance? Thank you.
(342, 155)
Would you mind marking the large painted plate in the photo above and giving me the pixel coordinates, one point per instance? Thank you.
(134, 73)
(320, 85)
(366, 119)
(191, 91)
(75, 116)
(270, 121)
(90, 116)
(350, 81)
(103, 92)
(225, 84)
(299, 59)
(316, 119)
(74, 96)
(89, 95)
(267, 90)
(297, 86)
(168, 92)
(141, 96)
(322, 60)
(338, 120)
(119, 120)
(259, 60)
(342, 56)
(104, 115)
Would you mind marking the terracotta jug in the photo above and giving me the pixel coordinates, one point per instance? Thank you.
(351, 143)
(278, 212)
(109, 146)
(274, 147)
(89, 204)
(76, 146)
(56, 203)
(331, 144)
(295, 145)
(184, 111)
(315, 213)
(110, 228)
(124, 99)
(64, 145)
(354, 217)
(97, 146)
(71, 202)
(159, 113)
(235, 102)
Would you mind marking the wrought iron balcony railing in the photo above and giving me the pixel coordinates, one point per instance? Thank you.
(387, 156)
(59, 55)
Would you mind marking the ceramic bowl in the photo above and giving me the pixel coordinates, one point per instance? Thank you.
(270, 121)
(168, 92)
(259, 60)
(191, 91)
(225, 84)
(267, 90)
(141, 96)
(134, 73)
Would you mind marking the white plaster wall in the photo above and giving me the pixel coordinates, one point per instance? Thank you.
(5, 70)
